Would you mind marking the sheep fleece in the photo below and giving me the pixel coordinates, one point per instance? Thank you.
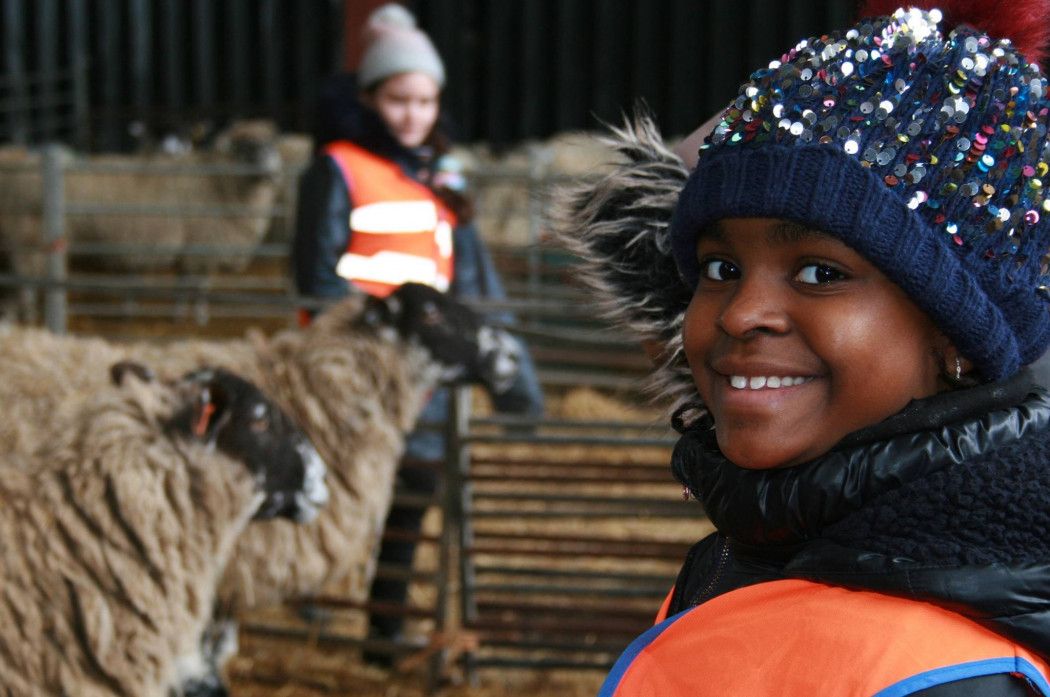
(353, 393)
(109, 516)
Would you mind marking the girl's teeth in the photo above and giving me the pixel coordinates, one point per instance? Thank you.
(758, 382)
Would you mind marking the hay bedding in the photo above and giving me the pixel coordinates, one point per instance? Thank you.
(272, 666)
(295, 671)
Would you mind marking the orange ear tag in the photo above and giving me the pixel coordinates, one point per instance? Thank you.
(201, 426)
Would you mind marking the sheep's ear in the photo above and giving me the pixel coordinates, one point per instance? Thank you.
(209, 409)
(118, 372)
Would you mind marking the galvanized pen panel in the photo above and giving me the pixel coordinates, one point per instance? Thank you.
(568, 534)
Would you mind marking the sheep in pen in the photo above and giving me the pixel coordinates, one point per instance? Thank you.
(355, 381)
(115, 530)
(152, 212)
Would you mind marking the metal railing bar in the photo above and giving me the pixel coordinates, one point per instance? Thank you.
(655, 593)
(196, 281)
(200, 314)
(569, 440)
(582, 574)
(582, 499)
(180, 210)
(516, 466)
(664, 477)
(496, 550)
(205, 169)
(572, 539)
(264, 250)
(566, 622)
(513, 420)
(553, 515)
(542, 664)
(496, 640)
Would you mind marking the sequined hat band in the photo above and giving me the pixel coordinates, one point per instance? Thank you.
(925, 154)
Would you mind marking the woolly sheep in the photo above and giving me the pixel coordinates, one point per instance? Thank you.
(145, 180)
(115, 531)
(355, 380)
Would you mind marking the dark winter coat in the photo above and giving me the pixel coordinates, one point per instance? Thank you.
(946, 502)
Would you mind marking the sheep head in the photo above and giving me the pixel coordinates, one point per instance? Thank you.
(231, 414)
(465, 346)
(251, 142)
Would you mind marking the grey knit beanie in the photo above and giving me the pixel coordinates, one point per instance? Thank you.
(395, 45)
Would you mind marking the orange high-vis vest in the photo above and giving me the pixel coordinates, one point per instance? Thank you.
(400, 231)
(796, 638)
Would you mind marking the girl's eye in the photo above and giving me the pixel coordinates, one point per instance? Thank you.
(816, 274)
(719, 270)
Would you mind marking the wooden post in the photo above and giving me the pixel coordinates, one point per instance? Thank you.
(453, 524)
(54, 220)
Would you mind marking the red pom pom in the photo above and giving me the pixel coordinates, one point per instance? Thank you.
(1025, 22)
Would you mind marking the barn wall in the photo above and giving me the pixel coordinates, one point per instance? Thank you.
(83, 70)
(530, 68)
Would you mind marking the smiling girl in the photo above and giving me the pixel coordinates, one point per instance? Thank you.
(854, 277)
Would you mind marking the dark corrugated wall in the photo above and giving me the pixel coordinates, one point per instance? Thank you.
(83, 70)
(43, 70)
(527, 68)
(168, 63)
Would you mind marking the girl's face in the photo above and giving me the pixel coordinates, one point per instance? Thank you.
(408, 104)
(795, 340)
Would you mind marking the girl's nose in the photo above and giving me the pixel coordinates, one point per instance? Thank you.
(754, 306)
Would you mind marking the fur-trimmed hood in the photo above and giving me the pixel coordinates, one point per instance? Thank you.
(618, 226)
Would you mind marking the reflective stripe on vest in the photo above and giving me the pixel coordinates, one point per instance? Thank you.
(793, 638)
(400, 232)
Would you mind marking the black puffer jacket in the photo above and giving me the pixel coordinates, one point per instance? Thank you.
(946, 502)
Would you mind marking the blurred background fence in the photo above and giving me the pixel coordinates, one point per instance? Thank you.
(130, 247)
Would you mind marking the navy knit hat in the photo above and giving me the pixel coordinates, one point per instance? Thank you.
(926, 154)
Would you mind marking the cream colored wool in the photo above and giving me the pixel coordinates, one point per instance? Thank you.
(353, 393)
(144, 181)
(107, 516)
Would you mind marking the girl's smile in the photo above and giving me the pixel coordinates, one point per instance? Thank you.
(794, 340)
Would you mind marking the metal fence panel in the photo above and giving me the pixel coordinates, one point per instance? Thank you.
(537, 588)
